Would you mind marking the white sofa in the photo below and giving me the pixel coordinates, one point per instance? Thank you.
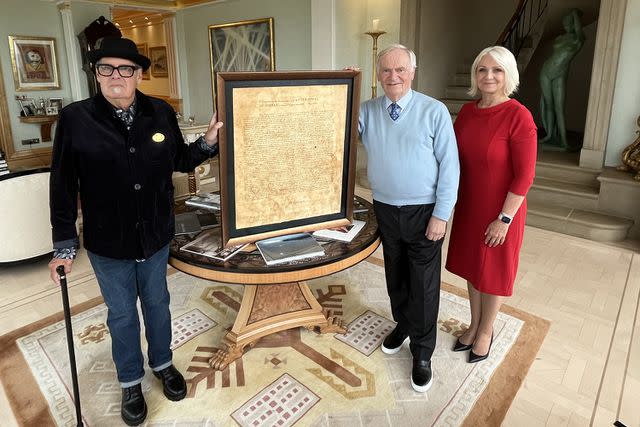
(25, 229)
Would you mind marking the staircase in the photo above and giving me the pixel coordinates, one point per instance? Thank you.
(564, 197)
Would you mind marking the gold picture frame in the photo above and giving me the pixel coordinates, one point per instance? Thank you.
(241, 46)
(34, 63)
(159, 64)
(143, 49)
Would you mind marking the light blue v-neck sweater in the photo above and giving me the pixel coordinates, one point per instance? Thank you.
(413, 160)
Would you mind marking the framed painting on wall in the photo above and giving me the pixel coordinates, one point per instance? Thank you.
(241, 46)
(34, 63)
(144, 50)
(158, 56)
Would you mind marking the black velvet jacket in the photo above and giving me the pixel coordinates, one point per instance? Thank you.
(123, 176)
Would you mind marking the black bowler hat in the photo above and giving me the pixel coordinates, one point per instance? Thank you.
(118, 47)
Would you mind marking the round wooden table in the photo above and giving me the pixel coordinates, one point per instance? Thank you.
(277, 297)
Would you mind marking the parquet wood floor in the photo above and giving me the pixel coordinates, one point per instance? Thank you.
(586, 373)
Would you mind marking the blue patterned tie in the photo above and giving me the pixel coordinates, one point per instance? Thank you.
(394, 111)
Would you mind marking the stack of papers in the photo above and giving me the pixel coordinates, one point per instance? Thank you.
(292, 247)
(4, 168)
(344, 234)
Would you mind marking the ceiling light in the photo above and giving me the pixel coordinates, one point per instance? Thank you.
(146, 18)
(130, 21)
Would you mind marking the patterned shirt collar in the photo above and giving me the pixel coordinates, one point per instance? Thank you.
(126, 116)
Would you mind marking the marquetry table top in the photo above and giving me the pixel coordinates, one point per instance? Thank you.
(250, 268)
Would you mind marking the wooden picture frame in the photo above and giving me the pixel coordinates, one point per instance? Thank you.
(34, 63)
(143, 49)
(241, 46)
(159, 64)
(287, 151)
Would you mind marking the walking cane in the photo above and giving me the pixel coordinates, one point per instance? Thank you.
(72, 354)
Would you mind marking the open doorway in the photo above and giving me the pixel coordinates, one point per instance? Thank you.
(152, 35)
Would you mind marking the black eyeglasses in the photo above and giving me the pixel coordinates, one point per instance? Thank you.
(106, 70)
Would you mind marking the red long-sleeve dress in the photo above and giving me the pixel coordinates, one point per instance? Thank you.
(497, 148)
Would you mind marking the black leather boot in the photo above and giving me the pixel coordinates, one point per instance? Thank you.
(133, 408)
(173, 384)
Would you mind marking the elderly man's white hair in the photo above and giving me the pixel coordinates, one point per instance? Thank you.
(383, 52)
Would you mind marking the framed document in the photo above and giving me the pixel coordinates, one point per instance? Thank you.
(287, 151)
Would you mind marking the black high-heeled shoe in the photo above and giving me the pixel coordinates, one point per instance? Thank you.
(461, 347)
(473, 357)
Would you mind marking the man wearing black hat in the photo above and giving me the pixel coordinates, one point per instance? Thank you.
(119, 150)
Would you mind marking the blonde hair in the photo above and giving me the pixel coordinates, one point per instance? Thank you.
(506, 60)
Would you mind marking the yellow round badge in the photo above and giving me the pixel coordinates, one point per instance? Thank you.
(157, 137)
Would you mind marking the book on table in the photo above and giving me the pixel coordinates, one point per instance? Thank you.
(209, 244)
(292, 247)
(208, 220)
(209, 201)
(344, 234)
(187, 223)
(192, 222)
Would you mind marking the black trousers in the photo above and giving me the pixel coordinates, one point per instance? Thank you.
(412, 270)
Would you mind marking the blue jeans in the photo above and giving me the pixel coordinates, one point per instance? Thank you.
(122, 282)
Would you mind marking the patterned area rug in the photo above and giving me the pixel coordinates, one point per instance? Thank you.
(293, 377)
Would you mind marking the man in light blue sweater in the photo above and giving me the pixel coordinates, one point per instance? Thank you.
(413, 169)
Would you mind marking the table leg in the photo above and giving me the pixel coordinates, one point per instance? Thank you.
(267, 309)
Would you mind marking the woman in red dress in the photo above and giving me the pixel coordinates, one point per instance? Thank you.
(497, 145)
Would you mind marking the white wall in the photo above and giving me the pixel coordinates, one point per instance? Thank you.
(452, 33)
(626, 99)
(37, 18)
(353, 46)
(292, 36)
(30, 18)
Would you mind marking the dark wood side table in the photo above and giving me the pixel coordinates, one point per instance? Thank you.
(45, 123)
(276, 298)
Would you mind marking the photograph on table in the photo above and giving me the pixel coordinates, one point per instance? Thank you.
(34, 63)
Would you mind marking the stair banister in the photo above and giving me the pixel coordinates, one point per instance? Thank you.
(517, 29)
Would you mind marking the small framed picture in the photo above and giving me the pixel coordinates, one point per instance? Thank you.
(144, 50)
(55, 102)
(27, 107)
(158, 56)
(34, 63)
(51, 111)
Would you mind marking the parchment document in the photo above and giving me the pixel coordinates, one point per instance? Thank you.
(289, 152)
